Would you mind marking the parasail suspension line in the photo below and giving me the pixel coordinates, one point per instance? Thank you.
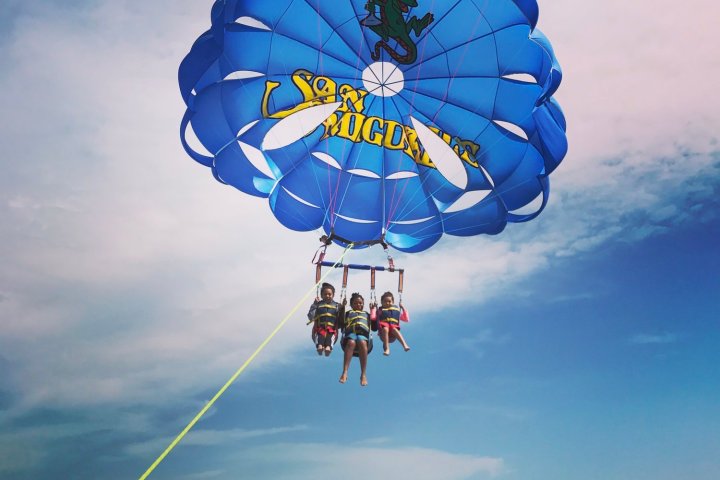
(240, 370)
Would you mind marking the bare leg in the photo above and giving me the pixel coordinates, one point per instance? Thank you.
(384, 337)
(349, 349)
(320, 341)
(399, 336)
(328, 344)
(363, 355)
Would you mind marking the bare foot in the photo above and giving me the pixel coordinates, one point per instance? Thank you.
(407, 348)
(363, 381)
(343, 378)
(328, 350)
(386, 352)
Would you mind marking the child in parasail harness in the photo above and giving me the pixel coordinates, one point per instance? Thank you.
(356, 335)
(325, 314)
(388, 318)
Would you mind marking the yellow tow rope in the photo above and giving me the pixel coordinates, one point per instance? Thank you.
(239, 371)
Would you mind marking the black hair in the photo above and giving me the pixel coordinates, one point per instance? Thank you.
(354, 296)
(327, 285)
(387, 294)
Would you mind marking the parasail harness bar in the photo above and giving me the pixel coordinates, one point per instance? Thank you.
(353, 266)
(328, 239)
(319, 261)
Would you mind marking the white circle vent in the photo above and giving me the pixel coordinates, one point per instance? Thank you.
(383, 79)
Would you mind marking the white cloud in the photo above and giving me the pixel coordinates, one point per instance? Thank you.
(637, 77)
(107, 222)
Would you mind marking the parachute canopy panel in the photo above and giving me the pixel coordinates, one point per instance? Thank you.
(381, 120)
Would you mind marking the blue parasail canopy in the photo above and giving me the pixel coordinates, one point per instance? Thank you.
(389, 121)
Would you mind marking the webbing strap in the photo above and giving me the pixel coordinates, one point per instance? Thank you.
(345, 276)
(318, 260)
(401, 274)
(212, 401)
(318, 276)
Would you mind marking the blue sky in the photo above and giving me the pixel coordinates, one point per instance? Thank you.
(580, 345)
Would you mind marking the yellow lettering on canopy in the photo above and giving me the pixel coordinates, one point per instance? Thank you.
(321, 90)
(350, 123)
(392, 130)
(372, 135)
(414, 150)
(349, 126)
(353, 99)
(466, 150)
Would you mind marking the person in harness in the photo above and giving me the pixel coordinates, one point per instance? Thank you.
(326, 314)
(356, 335)
(388, 318)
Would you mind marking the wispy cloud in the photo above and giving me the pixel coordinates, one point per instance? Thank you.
(209, 438)
(15, 456)
(27, 448)
(475, 344)
(207, 475)
(653, 338)
(359, 462)
(504, 412)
